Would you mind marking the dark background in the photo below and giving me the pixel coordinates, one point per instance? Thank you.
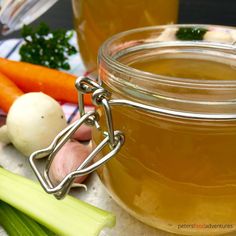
(222, 12)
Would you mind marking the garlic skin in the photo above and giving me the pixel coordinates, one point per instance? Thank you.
(67, 160)
(84, 133)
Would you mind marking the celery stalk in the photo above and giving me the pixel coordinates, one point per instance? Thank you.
(35, 228)
(16, 223)
(69, 216)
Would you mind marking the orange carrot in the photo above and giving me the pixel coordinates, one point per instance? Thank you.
(9, 92)
(34, 78)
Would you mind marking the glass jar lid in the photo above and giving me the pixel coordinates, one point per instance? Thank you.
(14, 14)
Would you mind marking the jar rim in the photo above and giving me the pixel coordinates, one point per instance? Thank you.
(118, 66)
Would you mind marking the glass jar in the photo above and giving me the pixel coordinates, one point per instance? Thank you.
(173, 95)
(14, 14)
(95, 21)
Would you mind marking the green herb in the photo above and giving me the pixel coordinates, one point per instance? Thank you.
(69, 216)
(45, 47)
(190, 33)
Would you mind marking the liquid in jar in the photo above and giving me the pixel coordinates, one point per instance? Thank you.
(175, 174)
(95, 21)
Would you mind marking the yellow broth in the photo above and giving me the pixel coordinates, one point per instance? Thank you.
(95, 21)
(175, 174)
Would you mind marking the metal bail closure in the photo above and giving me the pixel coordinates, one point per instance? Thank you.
(113, 139)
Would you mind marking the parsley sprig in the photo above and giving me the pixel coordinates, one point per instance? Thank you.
(45, 47)
(190, 33)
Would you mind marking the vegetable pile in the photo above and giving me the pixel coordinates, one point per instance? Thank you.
(28, 94)
(34, 119)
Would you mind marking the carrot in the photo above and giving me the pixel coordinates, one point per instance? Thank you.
(34, 78)
(9, 92)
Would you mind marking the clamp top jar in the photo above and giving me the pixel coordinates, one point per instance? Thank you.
(173, 93)
(166, 104)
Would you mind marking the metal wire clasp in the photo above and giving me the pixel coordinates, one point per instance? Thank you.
(114, 139)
